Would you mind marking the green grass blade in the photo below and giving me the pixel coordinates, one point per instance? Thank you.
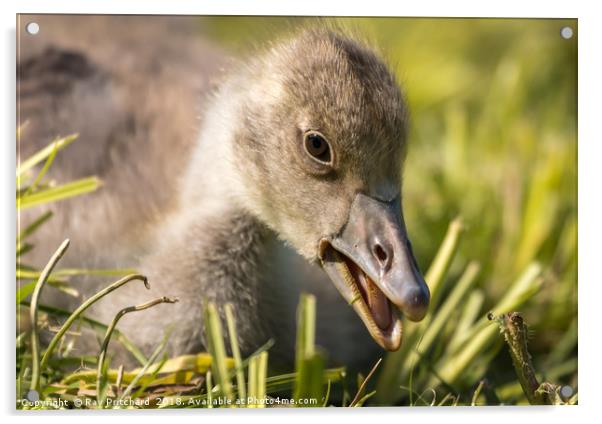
(447, 250)
(152, 378)
(238, 365)
(23, 274)
(357, 399)
(450, 366)
(31, 228)
(144, 369)
(309, 363)
(22, 249)
(37, 365)
(393, 371)
(215, 341)
(209, 385)
(61, 192)
(42, 154)
(363, 400)
(41, 174)
(305, 335)
(262, 370)
(25, 290)
(306, 324)
(433, 327)
(471, 311)
(252, 389)
(310, 381)
(327, 395)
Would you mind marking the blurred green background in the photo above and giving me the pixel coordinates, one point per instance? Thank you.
(493, 140)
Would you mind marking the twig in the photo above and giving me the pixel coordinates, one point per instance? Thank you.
(363, 385)
(515, 332)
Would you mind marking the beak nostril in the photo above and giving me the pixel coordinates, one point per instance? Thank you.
(380, 254)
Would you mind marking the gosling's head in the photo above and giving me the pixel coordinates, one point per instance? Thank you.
(321, 145)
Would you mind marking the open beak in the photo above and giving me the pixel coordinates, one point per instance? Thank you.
(372, 265)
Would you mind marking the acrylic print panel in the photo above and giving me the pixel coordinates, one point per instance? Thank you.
(211, 212)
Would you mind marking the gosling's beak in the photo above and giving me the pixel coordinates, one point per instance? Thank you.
(371, 263)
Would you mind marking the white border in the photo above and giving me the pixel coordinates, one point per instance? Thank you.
(590, 179)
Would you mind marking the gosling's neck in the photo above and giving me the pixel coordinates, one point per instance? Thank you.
(227, 245)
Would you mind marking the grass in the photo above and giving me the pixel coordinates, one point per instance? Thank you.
(493, 141)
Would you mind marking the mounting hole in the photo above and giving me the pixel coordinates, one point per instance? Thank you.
(32, 396)
(566, 32)
(566, 392)
(32, 28)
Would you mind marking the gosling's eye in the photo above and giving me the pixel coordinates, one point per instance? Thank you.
(317, 147)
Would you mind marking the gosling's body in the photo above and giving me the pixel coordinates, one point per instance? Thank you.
(175, 203)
